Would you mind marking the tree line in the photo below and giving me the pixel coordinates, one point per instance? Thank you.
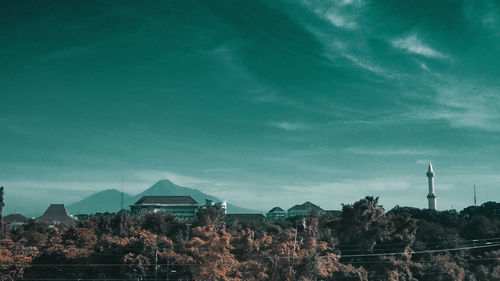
(362, 243)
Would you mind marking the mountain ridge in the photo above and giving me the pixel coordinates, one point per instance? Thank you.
(100, 201)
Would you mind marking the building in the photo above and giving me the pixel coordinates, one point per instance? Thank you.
(245, 218)
(431, 197)
(276, 214)
(82, 217)
(15, 220)
(304, 210)
(222, 204)
(56, 214)
(181, 207)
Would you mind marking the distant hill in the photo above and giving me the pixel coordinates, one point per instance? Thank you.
(109, 200)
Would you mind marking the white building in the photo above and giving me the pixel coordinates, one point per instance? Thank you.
(431, 197)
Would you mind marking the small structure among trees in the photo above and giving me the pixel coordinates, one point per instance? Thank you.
(56, 214)
(276, 214)
(15, 220)
(304, 210)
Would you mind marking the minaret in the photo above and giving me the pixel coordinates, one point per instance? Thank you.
(431, 197)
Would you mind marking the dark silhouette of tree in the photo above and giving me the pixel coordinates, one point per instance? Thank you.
(351, 246)
(212, 216)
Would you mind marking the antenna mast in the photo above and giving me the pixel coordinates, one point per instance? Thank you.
(475, 203)
(121, 204)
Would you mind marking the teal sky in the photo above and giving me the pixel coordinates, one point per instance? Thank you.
(262, 103)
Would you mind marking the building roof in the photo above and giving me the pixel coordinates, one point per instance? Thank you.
(13, 218)
(245, 217)
(305, 207)
(430, 170)
(276, 209)
(56, 214)
(167, 200)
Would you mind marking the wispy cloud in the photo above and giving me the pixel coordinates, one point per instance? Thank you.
(288, 126)
(340, 20)
(389, 151)
(414, 45)
(209, 185)
(464, 104)
(365, 185)
(367, 65)
(341, 14)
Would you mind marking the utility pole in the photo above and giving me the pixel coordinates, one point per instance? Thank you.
(188, 225)
(156, 265)
(168, 269)
(293, 253)
(475, 202)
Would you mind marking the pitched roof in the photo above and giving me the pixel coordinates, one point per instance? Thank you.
(305, 207)
(56, 214)
(15, 218)
(167, 200)
(245, 217)
(276, 209)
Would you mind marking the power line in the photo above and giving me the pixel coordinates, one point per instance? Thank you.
(423, 252)
(276, 257)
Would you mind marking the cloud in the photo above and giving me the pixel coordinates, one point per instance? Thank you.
(288, 126)
(341, 14)
(463, 104)
(330, 195)
(413, 45)
(180, 179)
(389, 152)
(367, 65)
(423, 162)
(367, 185)
(336, 18)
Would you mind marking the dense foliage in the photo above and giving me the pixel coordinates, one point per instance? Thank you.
(363, 243)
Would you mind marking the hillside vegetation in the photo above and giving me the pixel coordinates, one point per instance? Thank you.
(363, 243)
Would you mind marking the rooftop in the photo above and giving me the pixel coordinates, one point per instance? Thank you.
(56, 214)
(305, 207)
(276, 209)
(167, 200)
(13, 218)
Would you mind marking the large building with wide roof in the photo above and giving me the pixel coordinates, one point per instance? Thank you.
(181, 207)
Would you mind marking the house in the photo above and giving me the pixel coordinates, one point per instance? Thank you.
(15, 220)
(56, 214)
(304, 210)
(245, 218)
(276, 213)
(181, 207)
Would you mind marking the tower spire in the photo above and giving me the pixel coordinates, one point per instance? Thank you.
(431, 197)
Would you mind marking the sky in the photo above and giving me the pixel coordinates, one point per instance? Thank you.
(262, 103)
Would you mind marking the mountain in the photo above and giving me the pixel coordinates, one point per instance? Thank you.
(109, 200)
